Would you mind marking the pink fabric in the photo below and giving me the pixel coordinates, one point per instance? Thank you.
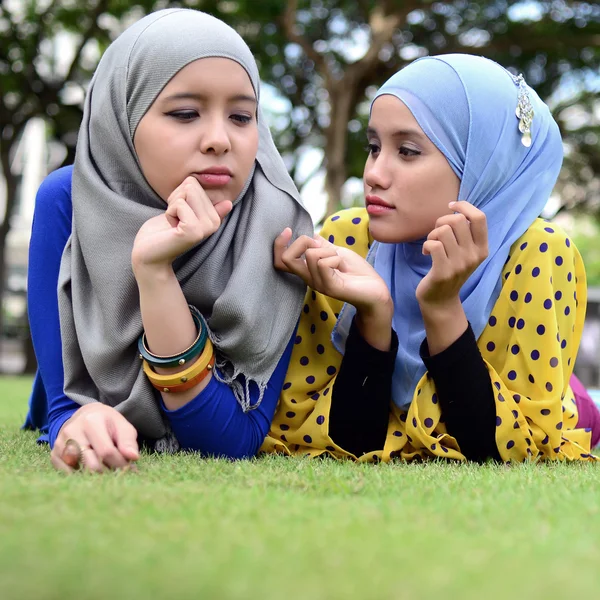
(589, 415)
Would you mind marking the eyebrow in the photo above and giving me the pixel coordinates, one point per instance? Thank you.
(399, 132)
(200, 97)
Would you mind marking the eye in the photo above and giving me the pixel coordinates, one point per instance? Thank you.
(241, 119)
(406, 151)
(372, 148)
(183, 115)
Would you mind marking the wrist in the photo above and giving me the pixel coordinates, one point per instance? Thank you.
(441, 311)
(375, 324)
(152, 273)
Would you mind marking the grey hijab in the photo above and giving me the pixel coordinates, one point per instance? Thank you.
(251, 308)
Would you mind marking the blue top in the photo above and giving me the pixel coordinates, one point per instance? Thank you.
(213, 423)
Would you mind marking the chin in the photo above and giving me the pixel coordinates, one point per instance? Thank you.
(216, 196)
(396, 233)
(387, 233)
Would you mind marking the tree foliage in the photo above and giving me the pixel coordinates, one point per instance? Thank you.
(326, 57)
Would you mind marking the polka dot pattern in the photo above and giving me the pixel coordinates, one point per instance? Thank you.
(528, 345)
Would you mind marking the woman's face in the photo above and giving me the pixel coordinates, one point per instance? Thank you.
(202, 124)
(408, 181)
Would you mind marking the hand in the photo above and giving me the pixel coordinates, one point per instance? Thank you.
(190, 218)
(106, 439)
(342, 274)
(457, 245)
(334, 271)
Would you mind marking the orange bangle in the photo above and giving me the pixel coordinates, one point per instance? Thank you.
(190, 383)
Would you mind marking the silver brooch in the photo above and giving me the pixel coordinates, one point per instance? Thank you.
(524, 110)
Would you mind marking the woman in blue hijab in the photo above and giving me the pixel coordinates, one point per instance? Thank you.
(468, 310)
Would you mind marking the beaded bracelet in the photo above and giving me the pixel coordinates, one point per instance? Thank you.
(177, 360)
(184, 380)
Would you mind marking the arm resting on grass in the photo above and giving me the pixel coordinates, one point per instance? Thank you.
(50, 231)
(214, 423)
(466, 397)
(360, 402)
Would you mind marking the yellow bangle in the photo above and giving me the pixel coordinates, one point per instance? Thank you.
(166, 382)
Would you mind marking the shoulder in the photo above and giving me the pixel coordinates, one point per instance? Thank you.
(543, 237)
(349, 228)
(544, 244)
(55, 190)
(58, 180)
(543, 262)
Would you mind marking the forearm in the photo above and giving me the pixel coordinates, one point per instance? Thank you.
(168, 324)
(444, 324)
(215, 424)
(465, 395)
(50, 231)
(360, 402)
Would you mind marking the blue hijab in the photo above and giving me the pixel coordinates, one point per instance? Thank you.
(466, 106)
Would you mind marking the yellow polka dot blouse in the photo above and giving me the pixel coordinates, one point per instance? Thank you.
(529, 347)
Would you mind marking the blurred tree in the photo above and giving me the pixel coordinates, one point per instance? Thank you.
(35, 79)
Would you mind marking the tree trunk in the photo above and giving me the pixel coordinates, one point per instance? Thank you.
(30, 360)
(336, 141)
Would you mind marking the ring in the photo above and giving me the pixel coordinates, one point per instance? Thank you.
(73, 453)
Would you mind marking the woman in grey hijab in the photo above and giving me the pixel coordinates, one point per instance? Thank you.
(177, 195)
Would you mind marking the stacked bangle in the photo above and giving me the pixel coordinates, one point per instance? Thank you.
(178, 360)
(184, 380)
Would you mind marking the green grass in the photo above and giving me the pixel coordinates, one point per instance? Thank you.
(276, 528)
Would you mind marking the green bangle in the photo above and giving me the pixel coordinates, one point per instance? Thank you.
(177, 360)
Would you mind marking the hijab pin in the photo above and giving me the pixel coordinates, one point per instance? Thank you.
(524, 110)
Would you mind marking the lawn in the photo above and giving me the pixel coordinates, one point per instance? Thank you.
(282, 529)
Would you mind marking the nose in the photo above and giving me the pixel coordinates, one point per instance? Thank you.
(377, 174)
(215, 138)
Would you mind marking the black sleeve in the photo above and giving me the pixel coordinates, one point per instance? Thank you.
(466, 396)
(360, 400)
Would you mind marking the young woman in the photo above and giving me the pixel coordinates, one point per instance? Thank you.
(170, 211)
(469, 309)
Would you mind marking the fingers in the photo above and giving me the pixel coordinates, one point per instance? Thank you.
(328, 268)
(73, 451)
(103, 448)
(478, 221)
(70, 454)
(446, 235)
(194, 195)
(459, 226)
(96, 437)
(293, 257)
(318, 270)
(279, 246)
(193, 227)
(124, 435)
(223, 208)
(59, 464)
(436, 250)
(90, 461)
(180, 210)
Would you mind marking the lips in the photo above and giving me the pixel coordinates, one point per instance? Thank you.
(214, 177)
(377, 206)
